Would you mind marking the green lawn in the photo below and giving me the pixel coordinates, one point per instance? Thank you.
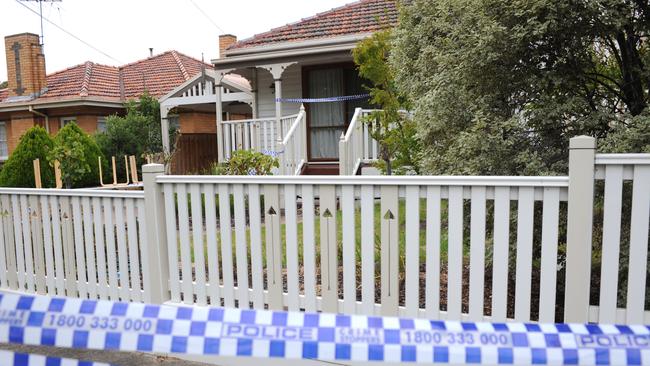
(377, 232)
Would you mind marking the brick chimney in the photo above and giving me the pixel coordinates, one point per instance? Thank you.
(225, 41)
(25, 65)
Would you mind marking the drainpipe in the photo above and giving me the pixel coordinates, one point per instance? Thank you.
(47, 118)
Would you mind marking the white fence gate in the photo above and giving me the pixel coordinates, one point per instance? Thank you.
(476, 248)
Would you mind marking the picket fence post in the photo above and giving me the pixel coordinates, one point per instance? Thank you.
(155, 266)
(582, 150)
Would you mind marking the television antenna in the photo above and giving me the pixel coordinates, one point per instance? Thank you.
(40, 6)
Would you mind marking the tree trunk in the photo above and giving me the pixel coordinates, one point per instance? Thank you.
(632, 71)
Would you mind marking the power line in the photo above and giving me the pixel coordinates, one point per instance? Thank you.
(207, 16)
(70, 34)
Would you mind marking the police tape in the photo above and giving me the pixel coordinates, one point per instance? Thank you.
(105, 325)
(10, 358)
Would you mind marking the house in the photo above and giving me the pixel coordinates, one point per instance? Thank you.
(307, 63)
(85, 93)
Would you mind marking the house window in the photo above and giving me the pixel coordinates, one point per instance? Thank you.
(4, 148)
(101, 124)
(66, 120)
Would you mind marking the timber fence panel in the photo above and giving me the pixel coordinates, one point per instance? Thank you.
(241, 246)
(212, 245)
(196, 201)
(309, 247)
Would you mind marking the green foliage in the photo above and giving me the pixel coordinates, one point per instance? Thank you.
(78, 155)
(137, 133)
(395, 131)
(246, 162)
(18, 171)
(500, 86)
(4, 84)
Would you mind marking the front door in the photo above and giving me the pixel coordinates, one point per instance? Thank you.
(327, 120)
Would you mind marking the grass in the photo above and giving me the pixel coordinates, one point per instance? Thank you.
(339, 217)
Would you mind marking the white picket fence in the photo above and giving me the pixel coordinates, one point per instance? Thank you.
(79, 243)
(363, 245)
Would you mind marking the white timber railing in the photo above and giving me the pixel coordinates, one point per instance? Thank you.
(292, 149)
(356, 146)
(445, 247)
(261, 134)
(78, 243)
(249, 134)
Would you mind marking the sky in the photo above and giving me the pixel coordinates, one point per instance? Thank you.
(124, 30)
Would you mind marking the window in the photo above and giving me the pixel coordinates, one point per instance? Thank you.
(101, 124)
(66, 120)
(4, 148)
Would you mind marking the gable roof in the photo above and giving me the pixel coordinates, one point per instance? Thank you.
(363, 16)
(157, 75)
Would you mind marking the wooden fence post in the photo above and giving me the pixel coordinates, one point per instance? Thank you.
(155, 266)
(582, 150)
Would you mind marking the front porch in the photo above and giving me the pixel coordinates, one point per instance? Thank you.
(306, 111)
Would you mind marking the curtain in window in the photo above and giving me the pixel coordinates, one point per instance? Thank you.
(326, 119)
(4, 149)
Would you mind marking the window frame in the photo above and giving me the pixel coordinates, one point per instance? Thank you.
(101, 120)
(6, 141)
(65, 120)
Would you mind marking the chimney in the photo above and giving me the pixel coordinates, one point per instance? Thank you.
(225, 41)
(25, 65)
(150, 51)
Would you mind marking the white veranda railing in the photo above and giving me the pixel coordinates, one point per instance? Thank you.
(356, 146)
(261, 134)
(292, 149)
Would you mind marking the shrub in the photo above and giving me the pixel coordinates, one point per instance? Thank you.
(77, 153)
(246, 162)
(18, 171)
(137, 133)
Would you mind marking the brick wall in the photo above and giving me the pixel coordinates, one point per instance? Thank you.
(16, 128)
(194, 122)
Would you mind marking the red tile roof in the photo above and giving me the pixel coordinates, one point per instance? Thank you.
(360, 17)
(158, 75)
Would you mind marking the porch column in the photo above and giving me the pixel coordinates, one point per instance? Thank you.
(276, 71)
(278, 107)
(164, 126)
(219, 112)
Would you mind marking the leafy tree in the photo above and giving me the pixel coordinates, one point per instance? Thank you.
(137, 133)
(393, 129)
(78, 155)
(499, 86)
(18, 171)
(4, 84)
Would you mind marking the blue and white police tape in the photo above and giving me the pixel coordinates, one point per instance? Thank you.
(106, 325)
(323, 100)
(10, 358)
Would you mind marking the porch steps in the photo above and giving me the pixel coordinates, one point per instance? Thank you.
(329, 168)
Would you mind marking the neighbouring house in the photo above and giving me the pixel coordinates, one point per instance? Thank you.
(307, 63)
(86, 93)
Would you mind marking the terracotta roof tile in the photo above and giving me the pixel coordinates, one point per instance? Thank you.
(360, 17)
(158, 75)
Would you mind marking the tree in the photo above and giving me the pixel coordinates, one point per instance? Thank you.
(4, 84)
(137, 133)
(393, 130)
(500, 86)
(78, 155)
(18, 171)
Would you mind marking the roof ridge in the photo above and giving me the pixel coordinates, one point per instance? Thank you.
(180, 65)
(85, 84)
(192, 58)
